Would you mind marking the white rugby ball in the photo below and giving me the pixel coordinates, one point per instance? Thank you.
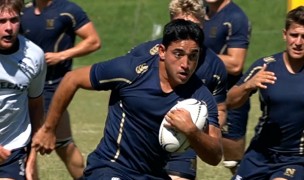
(174, 141)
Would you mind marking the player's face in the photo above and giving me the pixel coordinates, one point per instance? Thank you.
(9, 28)
(180, 59)
(213, 1)
(188, 17)
(294, 37)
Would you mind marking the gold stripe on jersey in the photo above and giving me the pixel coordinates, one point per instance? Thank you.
(229, 26)
(218, 80)
(51, 22)
(251, 72)
(302, 144)
(115, 79)
(58, 41)
(119, 135)
(70, 16)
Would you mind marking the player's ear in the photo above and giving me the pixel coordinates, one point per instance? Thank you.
(161, 51)
(284, 34)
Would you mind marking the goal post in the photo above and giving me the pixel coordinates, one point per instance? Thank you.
(292, 4)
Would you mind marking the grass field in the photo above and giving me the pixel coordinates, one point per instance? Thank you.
(123, 24)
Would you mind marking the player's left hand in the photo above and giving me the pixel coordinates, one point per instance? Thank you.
(44, 140)
(261, 79)
(180, 119)
(52, 58)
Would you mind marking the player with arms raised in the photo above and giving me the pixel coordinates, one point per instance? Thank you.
(276, 151)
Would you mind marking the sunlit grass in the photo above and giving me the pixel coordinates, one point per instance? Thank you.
(123, 24)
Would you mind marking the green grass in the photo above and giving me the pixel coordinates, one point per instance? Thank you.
(123, 24)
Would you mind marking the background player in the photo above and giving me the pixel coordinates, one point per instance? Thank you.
(54, 26)
(276, 151)
(210, 69)
(22, 74)
(143, 91)
(227, 32)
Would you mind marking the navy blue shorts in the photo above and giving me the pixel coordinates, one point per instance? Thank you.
(49, 91)
(268, 165)
(104, 174)
(98, 169)
(236, 124)
(182, 164)
(14, 166)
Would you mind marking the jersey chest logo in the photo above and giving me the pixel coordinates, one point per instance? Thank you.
(140, 69)
(50, 24)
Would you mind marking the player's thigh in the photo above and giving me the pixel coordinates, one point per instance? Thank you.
(182, 166)
(63, 130)
(236, 122)
(48, 93)
(291, 171)
(104, 174)
(254, 165)
(233, 148)
(173, 177)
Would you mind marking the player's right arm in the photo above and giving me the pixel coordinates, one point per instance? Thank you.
(44, 139)
(100, 76)
(222, 113)
(239, 31)
(240, 93)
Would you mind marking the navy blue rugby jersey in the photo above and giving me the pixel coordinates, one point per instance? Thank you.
(54, 30)
(229, 28)
(281, 126)
(211, 69)
(137, 107)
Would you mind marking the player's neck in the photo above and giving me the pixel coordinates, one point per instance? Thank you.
(216, 7)
(165, 84)
(41, 4)
(11, 50)
(293, 65)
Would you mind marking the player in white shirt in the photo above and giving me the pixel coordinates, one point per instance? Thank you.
(22, 74)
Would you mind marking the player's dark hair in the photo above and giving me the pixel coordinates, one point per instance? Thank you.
(11, 5)
(180, 29)
(295, 16)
